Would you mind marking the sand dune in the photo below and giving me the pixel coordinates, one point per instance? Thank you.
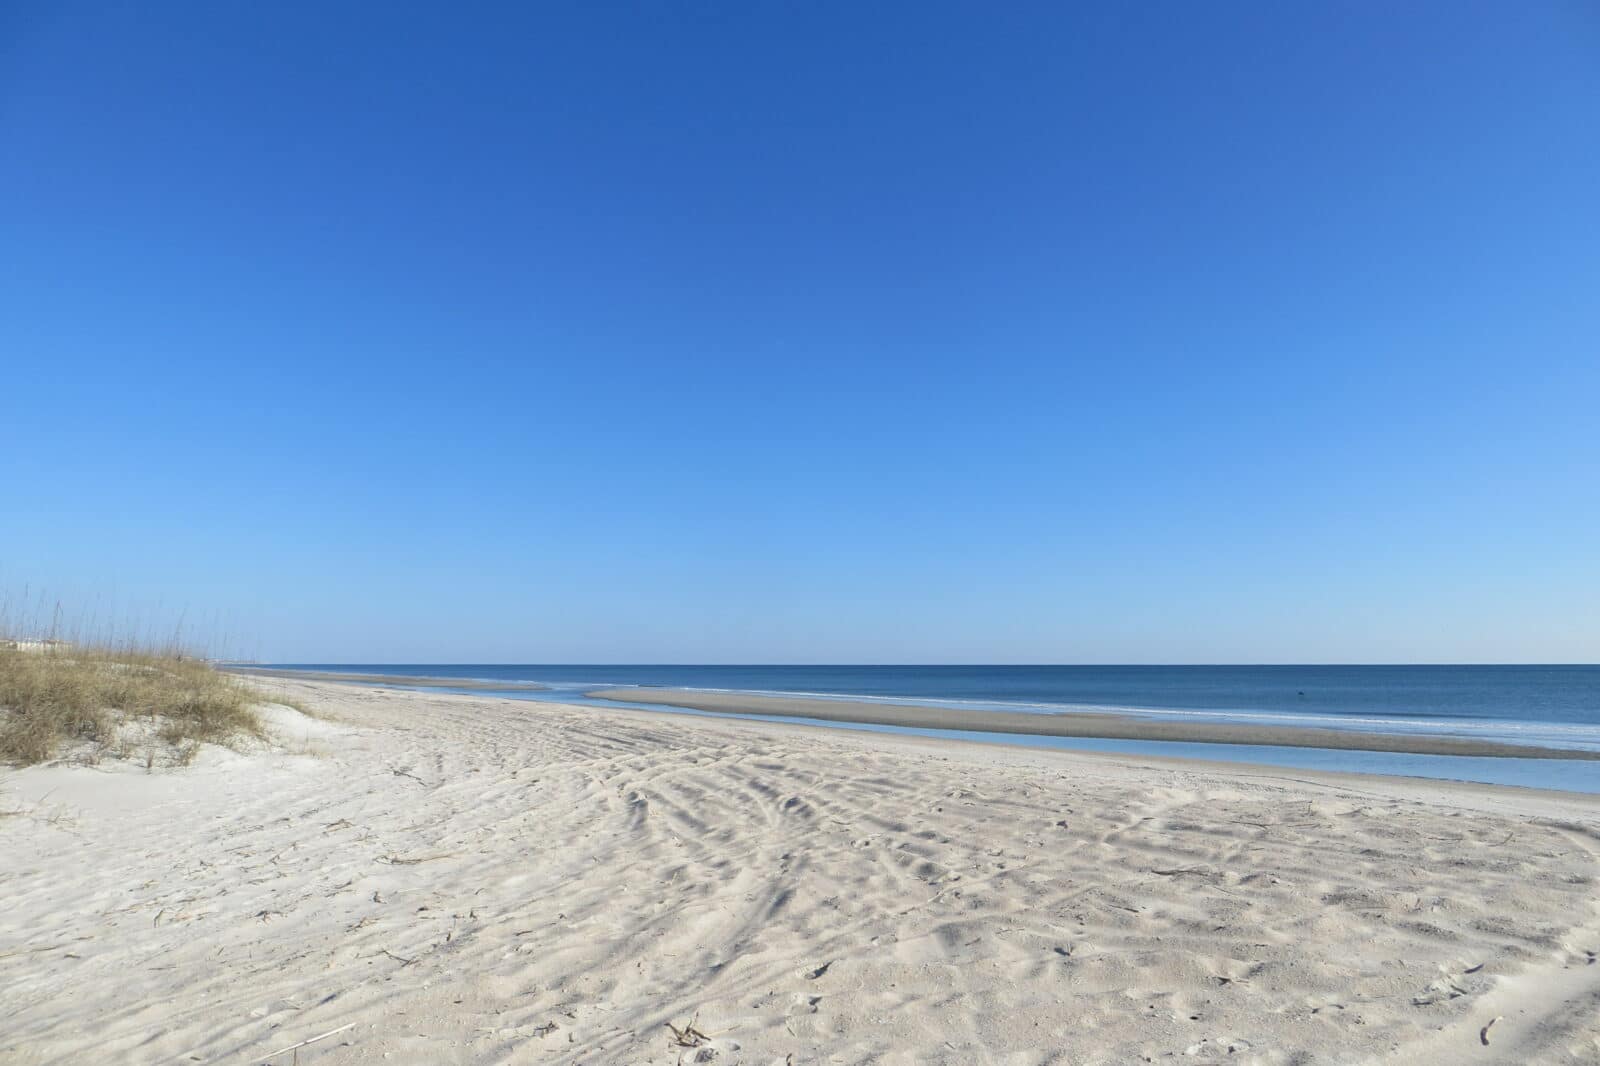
(460, 879)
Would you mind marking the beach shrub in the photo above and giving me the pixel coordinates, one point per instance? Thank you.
(76, 695)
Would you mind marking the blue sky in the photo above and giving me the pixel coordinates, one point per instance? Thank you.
(812, 332)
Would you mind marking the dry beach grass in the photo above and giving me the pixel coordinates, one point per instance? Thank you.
(108, 699)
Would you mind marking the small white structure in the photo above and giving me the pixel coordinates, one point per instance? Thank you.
(41, 644)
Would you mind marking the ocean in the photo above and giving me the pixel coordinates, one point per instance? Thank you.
(1552, 706)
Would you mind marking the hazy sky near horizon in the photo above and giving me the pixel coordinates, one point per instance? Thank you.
(808, 332)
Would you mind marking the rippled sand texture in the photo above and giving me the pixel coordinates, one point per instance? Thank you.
(462, 879)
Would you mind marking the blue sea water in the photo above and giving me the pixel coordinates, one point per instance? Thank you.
(1554, 706)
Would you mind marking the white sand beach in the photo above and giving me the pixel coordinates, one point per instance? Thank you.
(432, 878)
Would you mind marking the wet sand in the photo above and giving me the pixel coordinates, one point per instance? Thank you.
(1087, 725)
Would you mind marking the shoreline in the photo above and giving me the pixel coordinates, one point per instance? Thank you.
(1085, 725)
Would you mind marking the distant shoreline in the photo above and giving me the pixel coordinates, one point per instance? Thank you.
(402, 680)
(1088, 725)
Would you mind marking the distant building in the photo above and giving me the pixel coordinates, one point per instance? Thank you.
(28, 644)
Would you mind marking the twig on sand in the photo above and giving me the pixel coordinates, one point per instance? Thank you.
(688, 1036)
(313, 1040)
(1274, 825)
(1483, 1034)
(401, 959)
(408, 773)
(35, 951)
(396, 860)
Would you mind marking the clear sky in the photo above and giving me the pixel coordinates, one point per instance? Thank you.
(809, 332)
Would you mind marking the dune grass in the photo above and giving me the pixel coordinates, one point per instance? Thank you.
(51, 699)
